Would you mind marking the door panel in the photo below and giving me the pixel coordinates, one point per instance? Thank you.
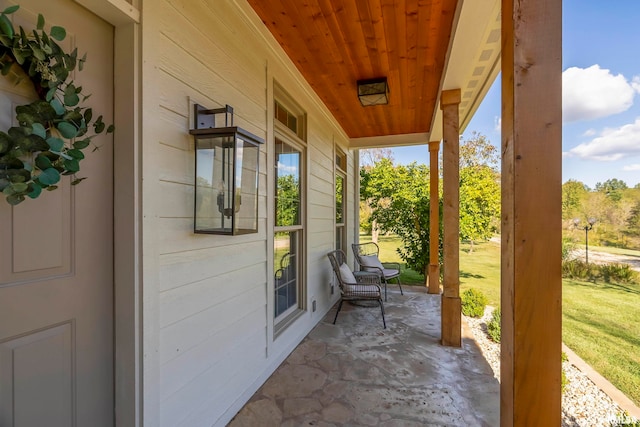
(56, 258)
(28, 377)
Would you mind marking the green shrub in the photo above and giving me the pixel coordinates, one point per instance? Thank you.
(613, 272)
(568, 246)
(493, 327)
(621, 273)
(625, 420)
(564, 357)
(473, 303)
(577, 269)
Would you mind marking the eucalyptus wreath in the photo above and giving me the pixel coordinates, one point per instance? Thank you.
(52, 132)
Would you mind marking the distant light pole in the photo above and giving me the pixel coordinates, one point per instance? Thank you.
(589, 226)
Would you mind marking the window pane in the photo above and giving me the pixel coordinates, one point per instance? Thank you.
(281, 114)
(341, 161)
(287, 203)
(339, 199)
(292, 123)
(286, 271)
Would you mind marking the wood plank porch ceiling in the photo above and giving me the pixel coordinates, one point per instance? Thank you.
(334, 43)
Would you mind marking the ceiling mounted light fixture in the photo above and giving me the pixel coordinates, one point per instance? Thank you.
(373, 91)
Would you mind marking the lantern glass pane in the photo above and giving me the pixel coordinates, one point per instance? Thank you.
(246, 186)
(214, 183)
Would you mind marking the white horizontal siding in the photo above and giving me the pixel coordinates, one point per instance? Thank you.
(182, 268)
(194, 298)
(190, 346)
(176, 235)
(208, 298)
(215, 386)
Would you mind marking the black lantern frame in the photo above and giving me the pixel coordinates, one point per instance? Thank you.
(226, 174)
(373, 91)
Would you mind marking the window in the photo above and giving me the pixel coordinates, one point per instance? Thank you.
(288, 240)
(341, 199)
(286, 118)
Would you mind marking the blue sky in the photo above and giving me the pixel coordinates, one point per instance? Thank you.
(601, 95)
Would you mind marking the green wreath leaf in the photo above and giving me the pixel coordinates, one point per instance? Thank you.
(39, 130)
(57, 106)
(76, 154)
(49, 176)
(36, 189)
(5, 142)
(82, 144)
(15, 199)
(51, 134)
(40, 24)
(43, 162)
(11, 9)
(58, 33)
(6, 27)
(67, 130)
(72, 166)
(55, 144)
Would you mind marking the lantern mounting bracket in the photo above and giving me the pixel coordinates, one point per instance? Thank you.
(204, 118)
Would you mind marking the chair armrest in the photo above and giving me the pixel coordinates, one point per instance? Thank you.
(367, 277)
(394, 265)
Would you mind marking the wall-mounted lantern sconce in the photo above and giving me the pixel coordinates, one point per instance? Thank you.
(226, 186)
(373, 91)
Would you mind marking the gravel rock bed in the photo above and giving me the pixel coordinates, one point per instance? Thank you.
(583, 403)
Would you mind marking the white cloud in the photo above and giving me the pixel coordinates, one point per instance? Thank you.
(591, 93)
(634, 167)
(284, 169)
(589, 132)
(635, 83)
(611, 144)
(497, 124)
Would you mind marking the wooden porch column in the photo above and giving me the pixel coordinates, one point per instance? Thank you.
(434, 218)
(531, 213)
(451, 306)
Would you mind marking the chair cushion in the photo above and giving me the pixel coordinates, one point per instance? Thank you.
(390, 273)
(346, 275)
(371, 261)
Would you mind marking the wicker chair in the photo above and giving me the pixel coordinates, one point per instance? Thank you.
(355, 286)
(367, 258)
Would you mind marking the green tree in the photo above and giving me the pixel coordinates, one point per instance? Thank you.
(287, 200)
(399, 198)
(478, 151)
(368, 158)
(479, 203)
(633, 222)
(612, 188)
(479, 189)
(375, 191)
(574, 193)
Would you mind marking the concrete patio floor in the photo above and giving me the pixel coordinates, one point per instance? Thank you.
(356, 373)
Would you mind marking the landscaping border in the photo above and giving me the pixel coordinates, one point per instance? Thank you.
(602, 383)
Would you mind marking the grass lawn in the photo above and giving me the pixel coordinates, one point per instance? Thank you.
(601, 322)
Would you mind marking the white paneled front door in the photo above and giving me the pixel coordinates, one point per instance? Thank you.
(56, 257)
